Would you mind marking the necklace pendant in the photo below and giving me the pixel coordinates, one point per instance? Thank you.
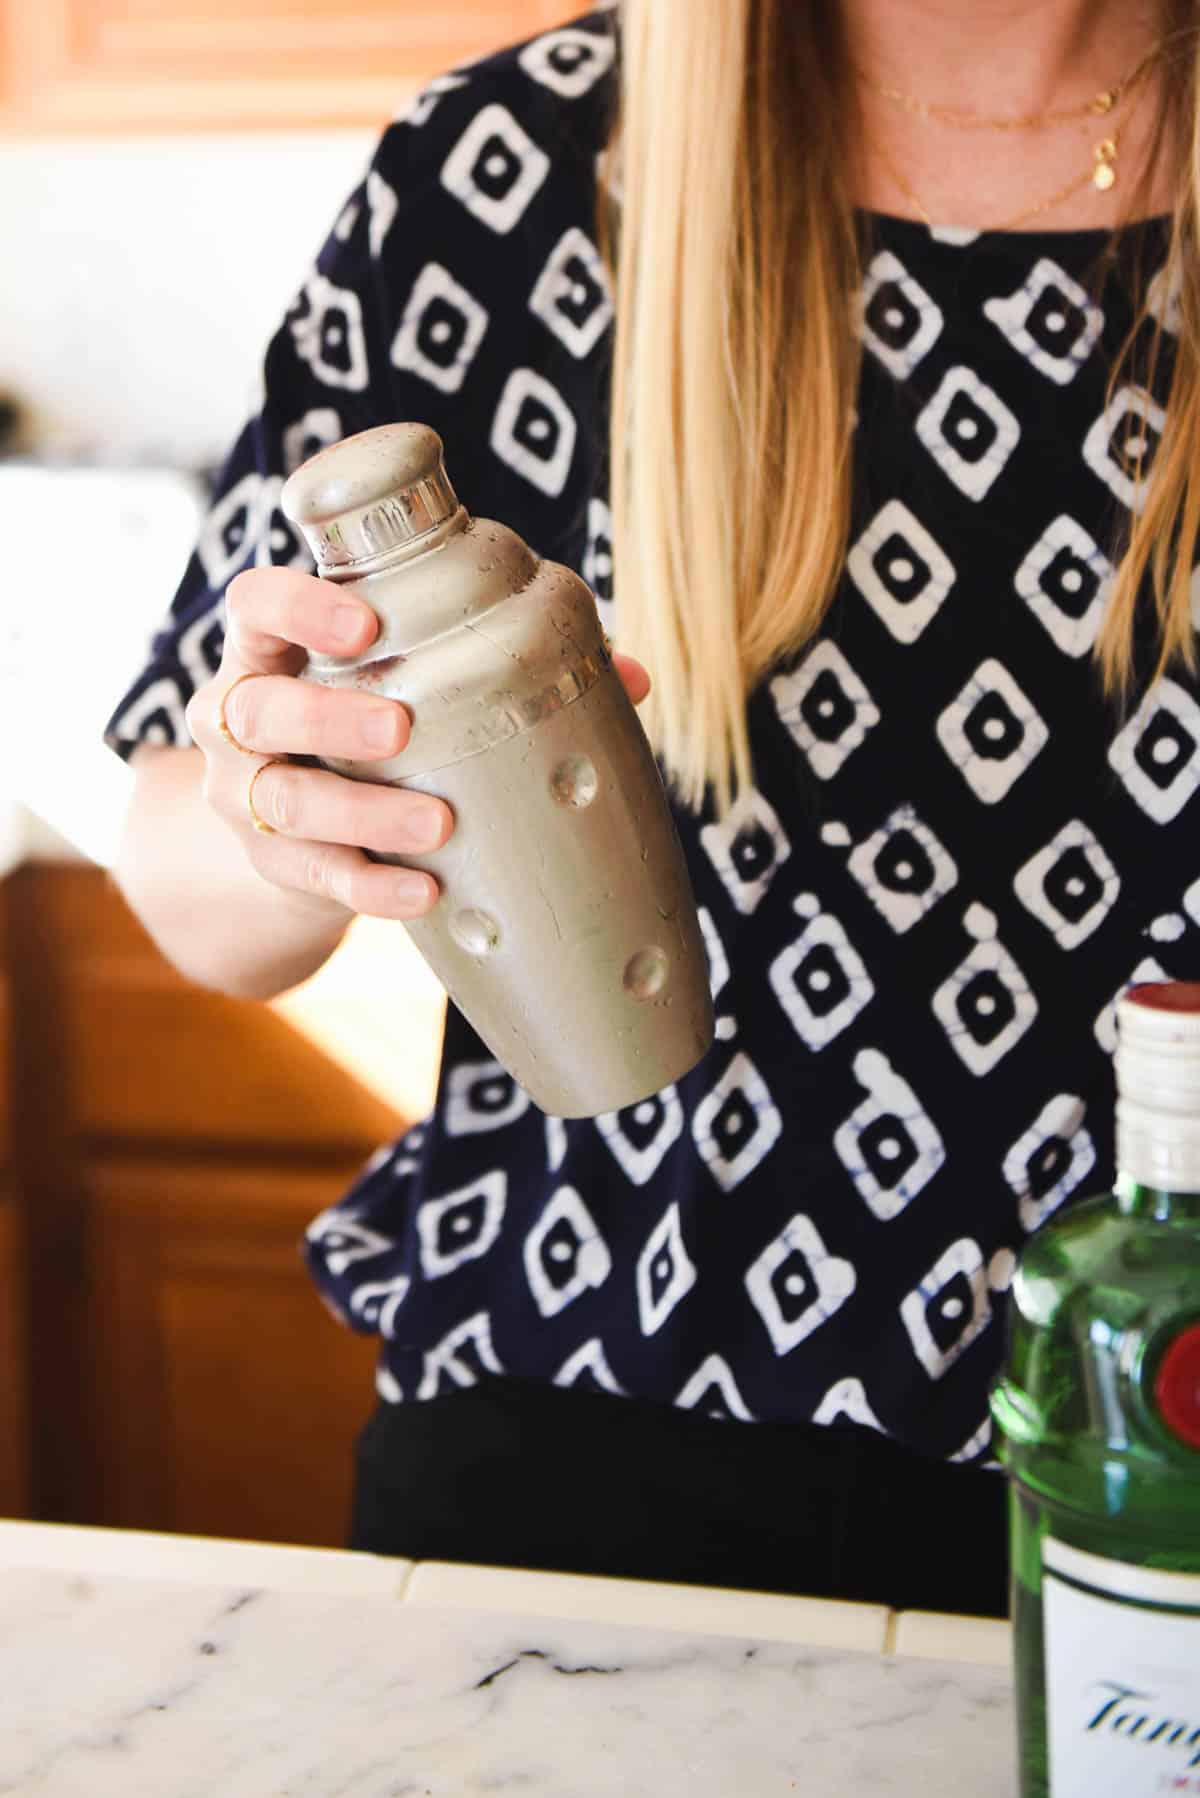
(1103, 102)
(1104, 176)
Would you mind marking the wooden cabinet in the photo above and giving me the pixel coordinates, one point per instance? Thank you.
(224, 1399)
(169, 1147)
(15, 1489)
(124, 65)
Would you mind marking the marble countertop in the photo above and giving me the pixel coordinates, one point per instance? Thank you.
(180, 1668)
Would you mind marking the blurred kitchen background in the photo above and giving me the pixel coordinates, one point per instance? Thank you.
(168, 168)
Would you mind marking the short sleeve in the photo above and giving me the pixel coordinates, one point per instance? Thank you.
(431, 300)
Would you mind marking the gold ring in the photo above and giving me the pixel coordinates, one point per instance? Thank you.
(268, 830)
(222, 725)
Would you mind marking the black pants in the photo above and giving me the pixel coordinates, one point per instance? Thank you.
(519, 1475)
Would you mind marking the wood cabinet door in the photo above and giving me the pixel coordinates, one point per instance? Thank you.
(187, 64)
(15, 1495)
(170, 1148)
(221, 1398)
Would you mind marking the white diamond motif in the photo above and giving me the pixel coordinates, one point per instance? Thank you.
(969, 432)
(571, 296)
(889, 1145)
(637, 1149)
(1052, 1158)
(462, 1226)
(1070, 886)
(1064, 566)
(897, 320)
(985, 1006)
(903, 869)
(1131, 418)
(792, 1305)
(901, 571)
(569, 61)
(1050, 320)
(481, 1095)
(578, 1251)
(934, 1303)
(442, 328)
(820, 981)
(534, 431)
(991, 732)
(736, 1125)
(747, 848)
(495, 169)
(826, 708)
(665, 1273)
(1157, 754)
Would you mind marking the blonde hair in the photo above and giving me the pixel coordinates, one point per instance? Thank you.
(736, 365)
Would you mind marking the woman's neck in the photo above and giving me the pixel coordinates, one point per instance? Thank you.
(1001, 59)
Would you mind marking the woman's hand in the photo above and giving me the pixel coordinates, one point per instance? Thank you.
(320, 823)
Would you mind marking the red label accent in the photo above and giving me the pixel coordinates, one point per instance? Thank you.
(1166, 995)
(1177, 1387)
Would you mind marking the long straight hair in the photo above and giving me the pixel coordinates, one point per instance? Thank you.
(736, 364)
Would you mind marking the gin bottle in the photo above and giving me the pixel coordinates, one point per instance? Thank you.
(1099, 1423)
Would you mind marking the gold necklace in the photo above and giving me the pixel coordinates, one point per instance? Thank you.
(1104, 102)
(1102, 175)
(1065, 192)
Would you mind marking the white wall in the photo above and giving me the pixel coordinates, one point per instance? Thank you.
(140, 279)
(139, 283)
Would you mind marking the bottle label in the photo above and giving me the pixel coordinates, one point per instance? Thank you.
(1122, 1649)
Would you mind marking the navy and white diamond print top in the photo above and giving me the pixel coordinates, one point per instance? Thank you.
(918, 920)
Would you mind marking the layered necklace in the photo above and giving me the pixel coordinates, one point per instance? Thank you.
(1111, 103)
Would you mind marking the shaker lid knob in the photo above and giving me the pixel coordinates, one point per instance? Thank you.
(374, 492)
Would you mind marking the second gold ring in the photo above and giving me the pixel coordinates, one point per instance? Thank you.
(222, 721)
(260, 824)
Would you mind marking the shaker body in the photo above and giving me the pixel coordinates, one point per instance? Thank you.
(566, 931)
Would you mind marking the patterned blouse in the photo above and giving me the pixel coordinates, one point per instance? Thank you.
(955, 856)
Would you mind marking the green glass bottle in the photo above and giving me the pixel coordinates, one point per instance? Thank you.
(1098, 1417)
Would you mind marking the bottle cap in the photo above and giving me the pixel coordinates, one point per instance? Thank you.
(1158, 1085)
(363, 499)
(1177, 1386)
(1181, 997)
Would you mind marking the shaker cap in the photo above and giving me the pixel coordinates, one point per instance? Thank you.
(1158, 1026)
(372, 493)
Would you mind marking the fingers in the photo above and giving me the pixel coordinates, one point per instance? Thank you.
(342, 875)
(325, 808)
(271, 611)
(322, 829)
(633, 675)
(320, 824)
(276, 715)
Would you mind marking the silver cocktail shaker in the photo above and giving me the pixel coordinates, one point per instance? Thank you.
(566, 932)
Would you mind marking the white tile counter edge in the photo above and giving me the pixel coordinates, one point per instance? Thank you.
(200, 1560)
(763, 1616)
(932, 1636)
(698, 1610)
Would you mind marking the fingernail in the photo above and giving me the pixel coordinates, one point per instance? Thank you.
(380, 728)
(347, 623)
(425, 825)
(412, 889)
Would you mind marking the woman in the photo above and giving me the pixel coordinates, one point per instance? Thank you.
(901, 383)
